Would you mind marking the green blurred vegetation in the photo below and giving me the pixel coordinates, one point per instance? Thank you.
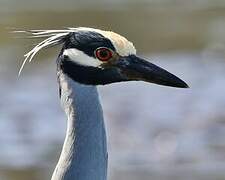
(150, 28)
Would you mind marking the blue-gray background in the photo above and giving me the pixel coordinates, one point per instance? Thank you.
(154, 132)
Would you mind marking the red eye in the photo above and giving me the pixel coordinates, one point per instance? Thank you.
(103, 54)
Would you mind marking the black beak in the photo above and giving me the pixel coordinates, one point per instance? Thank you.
(135, 68)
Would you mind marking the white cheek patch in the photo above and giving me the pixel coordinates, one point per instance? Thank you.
(81, 58)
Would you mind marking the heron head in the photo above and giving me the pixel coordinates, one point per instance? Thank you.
(96, 57)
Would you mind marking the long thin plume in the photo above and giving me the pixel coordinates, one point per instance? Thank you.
(52, 38)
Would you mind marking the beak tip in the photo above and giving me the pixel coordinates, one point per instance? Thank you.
(187, 86)
(182, 84)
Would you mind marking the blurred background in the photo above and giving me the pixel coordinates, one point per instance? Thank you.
(154, 132)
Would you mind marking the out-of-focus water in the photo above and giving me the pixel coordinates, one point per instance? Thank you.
(154, 132)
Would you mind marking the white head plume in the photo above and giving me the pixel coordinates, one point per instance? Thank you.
(53, 38)
(56, 37)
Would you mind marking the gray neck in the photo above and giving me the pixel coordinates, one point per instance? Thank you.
(84, 153)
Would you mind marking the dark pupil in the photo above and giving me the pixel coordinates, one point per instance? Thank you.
(103, 53)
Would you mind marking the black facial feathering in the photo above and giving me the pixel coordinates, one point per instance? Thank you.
(88, 75)
(87, 42)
